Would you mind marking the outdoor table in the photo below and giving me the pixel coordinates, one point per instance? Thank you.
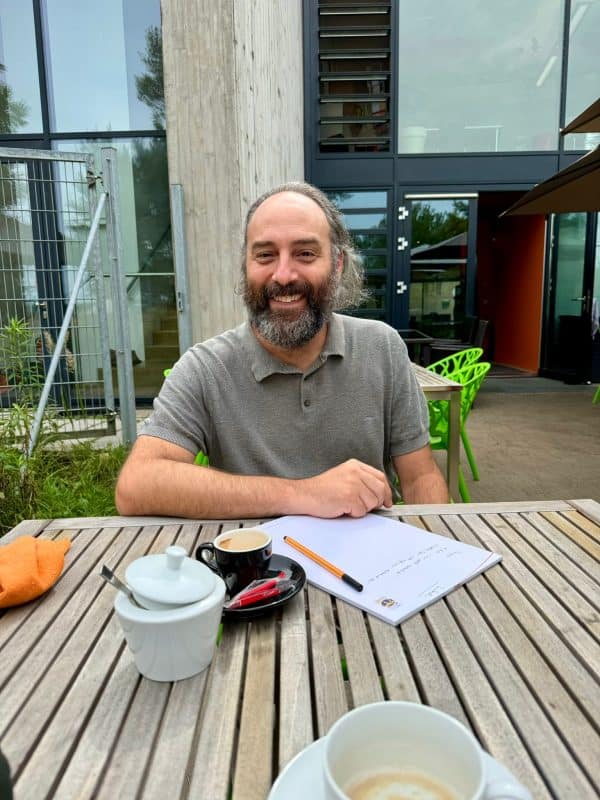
(514, 655)
(438, 387)
(414, 340)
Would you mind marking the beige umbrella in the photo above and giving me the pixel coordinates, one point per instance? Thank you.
(575, 188)
(587, 122)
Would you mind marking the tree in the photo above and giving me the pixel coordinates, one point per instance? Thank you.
(13, 113)
(150, 85)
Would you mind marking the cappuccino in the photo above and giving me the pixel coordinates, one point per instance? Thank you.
(240, 541)
(398, 784)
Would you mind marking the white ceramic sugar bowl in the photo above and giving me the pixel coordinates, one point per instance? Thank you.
(173, 636)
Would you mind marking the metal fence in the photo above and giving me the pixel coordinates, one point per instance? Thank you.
(59, 231)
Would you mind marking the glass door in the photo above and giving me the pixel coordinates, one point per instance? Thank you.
(572, 341)
(436, 262)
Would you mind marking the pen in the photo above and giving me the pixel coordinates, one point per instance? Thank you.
(324, 563)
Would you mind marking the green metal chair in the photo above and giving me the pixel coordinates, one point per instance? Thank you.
(596, 397)
(451, 364)
(471, 377)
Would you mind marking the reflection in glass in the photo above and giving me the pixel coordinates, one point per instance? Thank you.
(20, 110)
(349, 200)
(365, 221)
(105, 71)
(372, 247)
(438, 266)
(469, 75)
(583, 70)
(147, 253)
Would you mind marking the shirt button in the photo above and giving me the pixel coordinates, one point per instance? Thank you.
(306, 403)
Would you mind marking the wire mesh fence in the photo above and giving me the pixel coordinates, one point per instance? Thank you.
(47, 202)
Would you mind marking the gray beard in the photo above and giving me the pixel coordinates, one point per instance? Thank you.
(288, 334)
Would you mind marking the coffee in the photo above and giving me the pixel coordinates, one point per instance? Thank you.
(398, 784)
(243, 540)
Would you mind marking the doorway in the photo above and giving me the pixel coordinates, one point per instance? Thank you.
(571, 348)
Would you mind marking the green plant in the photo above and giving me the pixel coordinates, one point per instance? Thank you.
(77, 481)
(22, 368)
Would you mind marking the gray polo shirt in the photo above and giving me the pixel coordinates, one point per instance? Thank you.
(253, 415)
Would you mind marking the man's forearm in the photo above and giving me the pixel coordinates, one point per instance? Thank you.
(173, 488)
(428, 488)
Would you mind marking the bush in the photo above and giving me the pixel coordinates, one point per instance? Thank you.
(75, 481)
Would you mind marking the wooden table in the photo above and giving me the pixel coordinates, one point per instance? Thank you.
(514, 655)
(414, 340)
(437, 387)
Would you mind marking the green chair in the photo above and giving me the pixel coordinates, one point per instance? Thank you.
(451, 364)
(471, 377)
(596, 397)
(201, 458)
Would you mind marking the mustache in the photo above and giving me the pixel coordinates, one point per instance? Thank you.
(274, 289)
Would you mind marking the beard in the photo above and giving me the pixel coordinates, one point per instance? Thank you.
(290, 329)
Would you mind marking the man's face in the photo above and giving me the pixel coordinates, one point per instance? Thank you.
(290, 281)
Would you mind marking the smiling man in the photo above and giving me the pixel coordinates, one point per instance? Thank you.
(300, 410)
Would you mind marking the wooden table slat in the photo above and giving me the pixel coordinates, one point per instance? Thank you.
(398, 679)
(591, 528)
(329, 691)
(579, 540)
(589, 508)
(362, 669)
(295, 709)
(254, 761)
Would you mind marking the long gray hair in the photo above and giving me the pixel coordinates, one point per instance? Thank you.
(351, 291)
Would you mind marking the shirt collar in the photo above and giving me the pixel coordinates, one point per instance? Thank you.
(263, 364)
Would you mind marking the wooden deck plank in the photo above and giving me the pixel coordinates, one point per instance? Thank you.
(329, 691)
(399, 683)
(254, 761)
(216, 735)
(465, 662)
(365, 683)
(294, 701)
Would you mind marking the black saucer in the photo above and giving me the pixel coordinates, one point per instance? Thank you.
(277, 563)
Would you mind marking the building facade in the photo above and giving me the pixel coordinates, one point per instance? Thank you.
(423, 120)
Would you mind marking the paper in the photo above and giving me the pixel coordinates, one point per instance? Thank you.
(403, 569)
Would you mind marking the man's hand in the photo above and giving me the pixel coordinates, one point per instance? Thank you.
(351, 488)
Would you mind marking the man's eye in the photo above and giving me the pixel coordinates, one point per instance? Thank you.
(264, 256)
(306, 254)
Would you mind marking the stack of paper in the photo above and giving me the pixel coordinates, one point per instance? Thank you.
(403, 569)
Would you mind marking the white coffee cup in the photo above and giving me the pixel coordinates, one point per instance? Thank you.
(400, 741)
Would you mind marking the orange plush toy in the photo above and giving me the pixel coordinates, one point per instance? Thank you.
(29, 567)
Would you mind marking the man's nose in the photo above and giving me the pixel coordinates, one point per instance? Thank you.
(285, 269)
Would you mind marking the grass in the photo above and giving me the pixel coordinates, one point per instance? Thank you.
(75, 481)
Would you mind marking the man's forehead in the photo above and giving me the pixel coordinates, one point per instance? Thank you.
(292, 208)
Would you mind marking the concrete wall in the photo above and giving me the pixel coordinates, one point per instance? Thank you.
(234, 101)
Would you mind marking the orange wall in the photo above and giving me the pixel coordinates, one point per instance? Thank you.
(518, 281)
(510, 273)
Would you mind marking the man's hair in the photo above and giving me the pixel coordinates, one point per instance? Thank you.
(351, 291)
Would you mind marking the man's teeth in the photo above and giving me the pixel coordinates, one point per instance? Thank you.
(288, 298)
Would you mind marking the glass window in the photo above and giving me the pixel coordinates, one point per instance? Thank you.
(354, 76)
(350, 200)
(476, 76)
(583, 86)
(147, 252)
(20, 109)
(104, 65)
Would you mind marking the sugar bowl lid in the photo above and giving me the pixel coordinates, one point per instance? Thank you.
(169, 579)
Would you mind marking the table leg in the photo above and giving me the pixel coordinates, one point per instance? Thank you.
(453, 455)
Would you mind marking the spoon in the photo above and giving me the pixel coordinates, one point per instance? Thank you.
(110, 577)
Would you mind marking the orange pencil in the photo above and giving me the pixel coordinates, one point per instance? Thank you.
(324, 563)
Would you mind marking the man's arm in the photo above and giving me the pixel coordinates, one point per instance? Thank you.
(160, 478)
(420, 478)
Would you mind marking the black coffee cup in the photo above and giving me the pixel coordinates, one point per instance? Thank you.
(239, 556)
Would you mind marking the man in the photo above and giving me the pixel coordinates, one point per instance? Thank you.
(300, 410)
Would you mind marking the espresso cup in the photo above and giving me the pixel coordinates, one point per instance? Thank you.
(410, 749)
(239, 556)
